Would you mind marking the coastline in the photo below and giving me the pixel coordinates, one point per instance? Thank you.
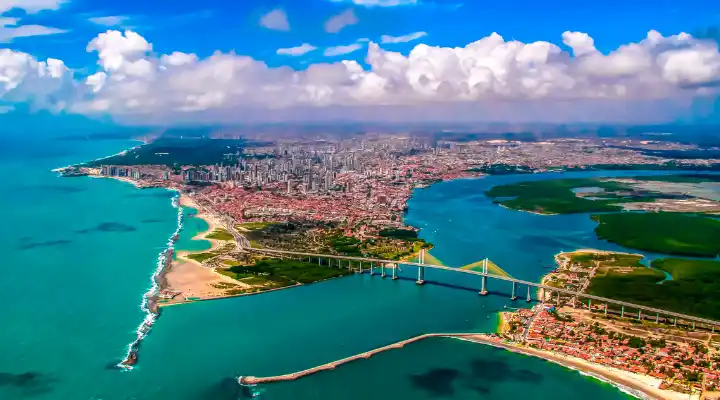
(121, 152)
(640, 386)
(149, 303)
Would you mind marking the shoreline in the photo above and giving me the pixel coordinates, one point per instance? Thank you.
(213, 224)
(640, 386)
(149, 303)
(142, 142)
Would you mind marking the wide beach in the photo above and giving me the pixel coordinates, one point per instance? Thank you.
(189, 277)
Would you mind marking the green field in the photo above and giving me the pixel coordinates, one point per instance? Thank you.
(393, 246)
(220, 234)
(666, 233)
(200, 257)
(284, 272)
(556, 196)
(693, 290)
(251, 226)
(607, 260)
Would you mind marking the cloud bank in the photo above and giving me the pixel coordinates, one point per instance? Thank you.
(489, 79)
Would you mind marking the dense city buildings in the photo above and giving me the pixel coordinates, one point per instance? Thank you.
(364, 183)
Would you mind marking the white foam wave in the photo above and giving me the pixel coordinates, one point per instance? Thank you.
(150, 317)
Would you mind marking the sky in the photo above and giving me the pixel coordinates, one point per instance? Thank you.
(165, 62)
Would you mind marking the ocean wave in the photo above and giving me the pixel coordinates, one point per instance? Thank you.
(151, 314)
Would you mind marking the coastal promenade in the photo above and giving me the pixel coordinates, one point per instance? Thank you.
(252, 380)
(375, 262)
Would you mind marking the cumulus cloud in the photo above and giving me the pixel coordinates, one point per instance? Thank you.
(487, 79)
(24, 79)
(297, 50)
(342, 50)
(276, 20)
(338, 22)
(402, 39)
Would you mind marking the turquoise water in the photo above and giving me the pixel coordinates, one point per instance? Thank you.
(192, 225)
(80, 251)
(78, 254)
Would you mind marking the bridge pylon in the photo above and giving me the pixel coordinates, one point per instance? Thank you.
(529, 299)
(513, 296)
(483, 289)
(394, 275)
(421, 269)
(421, 276)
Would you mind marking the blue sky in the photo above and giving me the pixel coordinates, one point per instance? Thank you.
(204, 27)
(570, 59)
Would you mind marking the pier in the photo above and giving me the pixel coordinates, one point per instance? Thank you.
(252, 380)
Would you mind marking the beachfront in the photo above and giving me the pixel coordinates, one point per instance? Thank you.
(625, 379)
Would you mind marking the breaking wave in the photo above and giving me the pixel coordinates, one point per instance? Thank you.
(148, 305)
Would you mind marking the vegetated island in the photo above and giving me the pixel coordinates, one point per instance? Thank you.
(678, 193)
(662, 232)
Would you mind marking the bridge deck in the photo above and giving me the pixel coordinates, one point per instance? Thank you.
(651, 310)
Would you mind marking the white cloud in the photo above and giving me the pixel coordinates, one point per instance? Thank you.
(336, 23)
(30, 6)
(402, 39)
(341, 50)
(109, 21)
(487, 79)
(275, 20)
(10, 29)
(177, 59)
(380, 3)
(23, 79)
(296, 51)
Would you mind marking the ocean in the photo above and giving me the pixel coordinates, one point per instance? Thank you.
(80, 252)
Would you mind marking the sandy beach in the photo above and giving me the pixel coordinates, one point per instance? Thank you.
(190, 277)
(118, 178)
(195, 281)
(596, 251)
(642, 383)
